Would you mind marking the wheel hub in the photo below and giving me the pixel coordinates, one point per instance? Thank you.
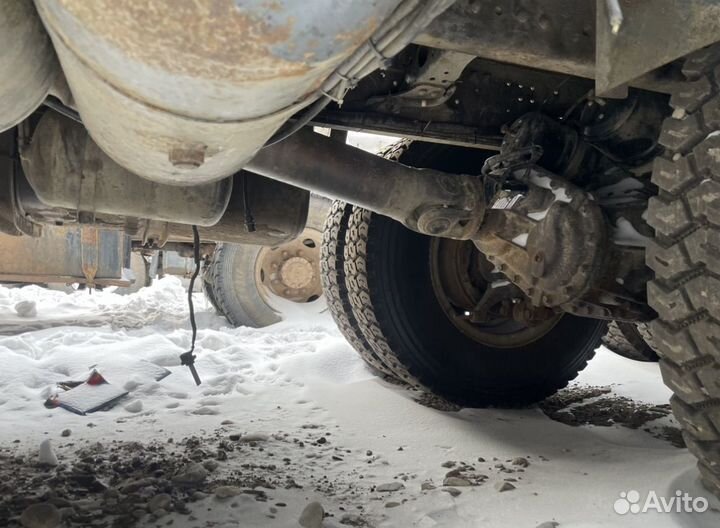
(480, 302)
(296, 273)
(290, 271)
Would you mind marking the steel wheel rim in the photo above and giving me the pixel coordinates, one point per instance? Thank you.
(458, 289)
(290, 272)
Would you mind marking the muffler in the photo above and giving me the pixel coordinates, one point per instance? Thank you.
(67, 170)
(69, 176)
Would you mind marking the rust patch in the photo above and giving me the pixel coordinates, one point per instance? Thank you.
(359, 35)
(213, 40)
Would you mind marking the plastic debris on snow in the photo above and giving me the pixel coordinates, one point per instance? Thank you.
(89, 396)
(96, 393)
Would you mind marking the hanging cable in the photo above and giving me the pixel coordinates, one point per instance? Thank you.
(188, 358)
(249, 219)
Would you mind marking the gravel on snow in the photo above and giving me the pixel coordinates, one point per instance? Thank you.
(290, 429)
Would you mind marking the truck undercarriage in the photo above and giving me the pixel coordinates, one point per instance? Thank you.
(558, 147)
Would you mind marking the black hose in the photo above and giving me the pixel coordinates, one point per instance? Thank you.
(188, 358)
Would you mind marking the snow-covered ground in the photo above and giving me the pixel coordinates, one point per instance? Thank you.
(288, 414)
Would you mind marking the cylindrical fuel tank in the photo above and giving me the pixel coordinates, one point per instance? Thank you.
(28, 64)
(185, 91)
(276, 210)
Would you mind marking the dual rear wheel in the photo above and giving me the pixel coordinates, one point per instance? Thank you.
(409, 305)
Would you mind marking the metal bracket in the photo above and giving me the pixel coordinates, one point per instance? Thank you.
(89, 253)
(651, 35)
(435, 79)
(63, 255)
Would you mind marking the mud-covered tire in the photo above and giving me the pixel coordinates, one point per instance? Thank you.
(630, 340)
(335, 290)
(685, 256)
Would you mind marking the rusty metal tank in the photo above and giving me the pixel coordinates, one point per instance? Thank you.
(185, 92)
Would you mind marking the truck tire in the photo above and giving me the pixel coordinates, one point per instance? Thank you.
(207, 286)
(400, 314)
(246, 284)
(685, 256)
(335, 288)
(332, 259)
(395, 297)
(630, 340)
